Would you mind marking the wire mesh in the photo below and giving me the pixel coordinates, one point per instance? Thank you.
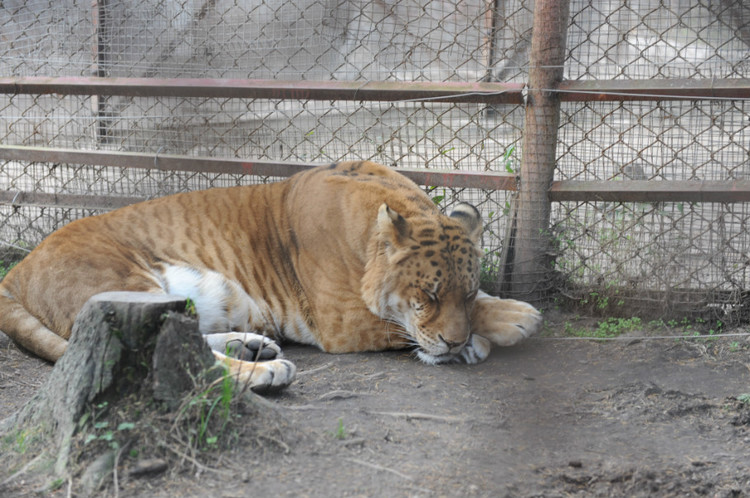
(659, 258)
(642, 39)
(668, 255)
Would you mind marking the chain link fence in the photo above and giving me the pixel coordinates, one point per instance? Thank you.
(665, 256)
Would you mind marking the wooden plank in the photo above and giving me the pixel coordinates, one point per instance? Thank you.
(655, 89)
(429, 177)
(386, 91)
(651, 191)
(530, 219)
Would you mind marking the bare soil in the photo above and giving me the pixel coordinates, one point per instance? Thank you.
(551, 417)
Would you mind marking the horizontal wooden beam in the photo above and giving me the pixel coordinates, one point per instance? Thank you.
(655, 89)
(428, 177)
(387, 91)
(651, 191)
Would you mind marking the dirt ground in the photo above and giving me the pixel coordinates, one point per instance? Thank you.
(551, 417)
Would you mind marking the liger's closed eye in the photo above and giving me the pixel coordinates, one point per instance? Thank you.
(430, 295)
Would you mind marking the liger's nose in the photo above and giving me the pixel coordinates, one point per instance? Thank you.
(453, 346)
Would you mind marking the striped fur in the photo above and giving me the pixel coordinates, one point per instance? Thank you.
(352, 257)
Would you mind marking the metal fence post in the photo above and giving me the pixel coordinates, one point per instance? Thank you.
(529, 279)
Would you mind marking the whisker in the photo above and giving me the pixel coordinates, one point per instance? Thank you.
(397, 330)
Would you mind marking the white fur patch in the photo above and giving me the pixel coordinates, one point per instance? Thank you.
(298, 331)
(207, 291)
(222, 305)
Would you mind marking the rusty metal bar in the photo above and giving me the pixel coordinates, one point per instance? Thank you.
(610, 191)
(651, 191)
(629, 191)
(167, 162)
(487, 93)
(485, 180)
(656, 89)
(72, 201)
(430, 177)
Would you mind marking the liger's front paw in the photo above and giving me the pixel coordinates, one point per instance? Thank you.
(505, 322)
(476, 350)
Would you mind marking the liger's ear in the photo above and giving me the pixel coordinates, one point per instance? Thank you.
(392, 227)
(470, 218)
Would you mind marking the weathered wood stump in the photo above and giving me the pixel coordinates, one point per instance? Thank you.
(121, 342)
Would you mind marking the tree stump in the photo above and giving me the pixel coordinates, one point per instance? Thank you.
(121, 342)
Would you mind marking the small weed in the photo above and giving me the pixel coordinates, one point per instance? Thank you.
(744, 398)
(490, 267)
(190, 308)
(56, 484)
(571, 330)
(716, 329)
(100, 428)
(340, 430)
(437, 199)
(507, 208)
(210, 411)
(698, 329)
(509, 161)
(106, 435)
(602, 301)
(22, 441)
(611, 327)
(18, 442)
(5, 268)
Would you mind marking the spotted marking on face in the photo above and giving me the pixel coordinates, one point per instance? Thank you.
(438, 281)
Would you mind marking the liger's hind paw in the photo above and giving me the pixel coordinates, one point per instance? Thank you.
(261, 376)
(246, 346)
